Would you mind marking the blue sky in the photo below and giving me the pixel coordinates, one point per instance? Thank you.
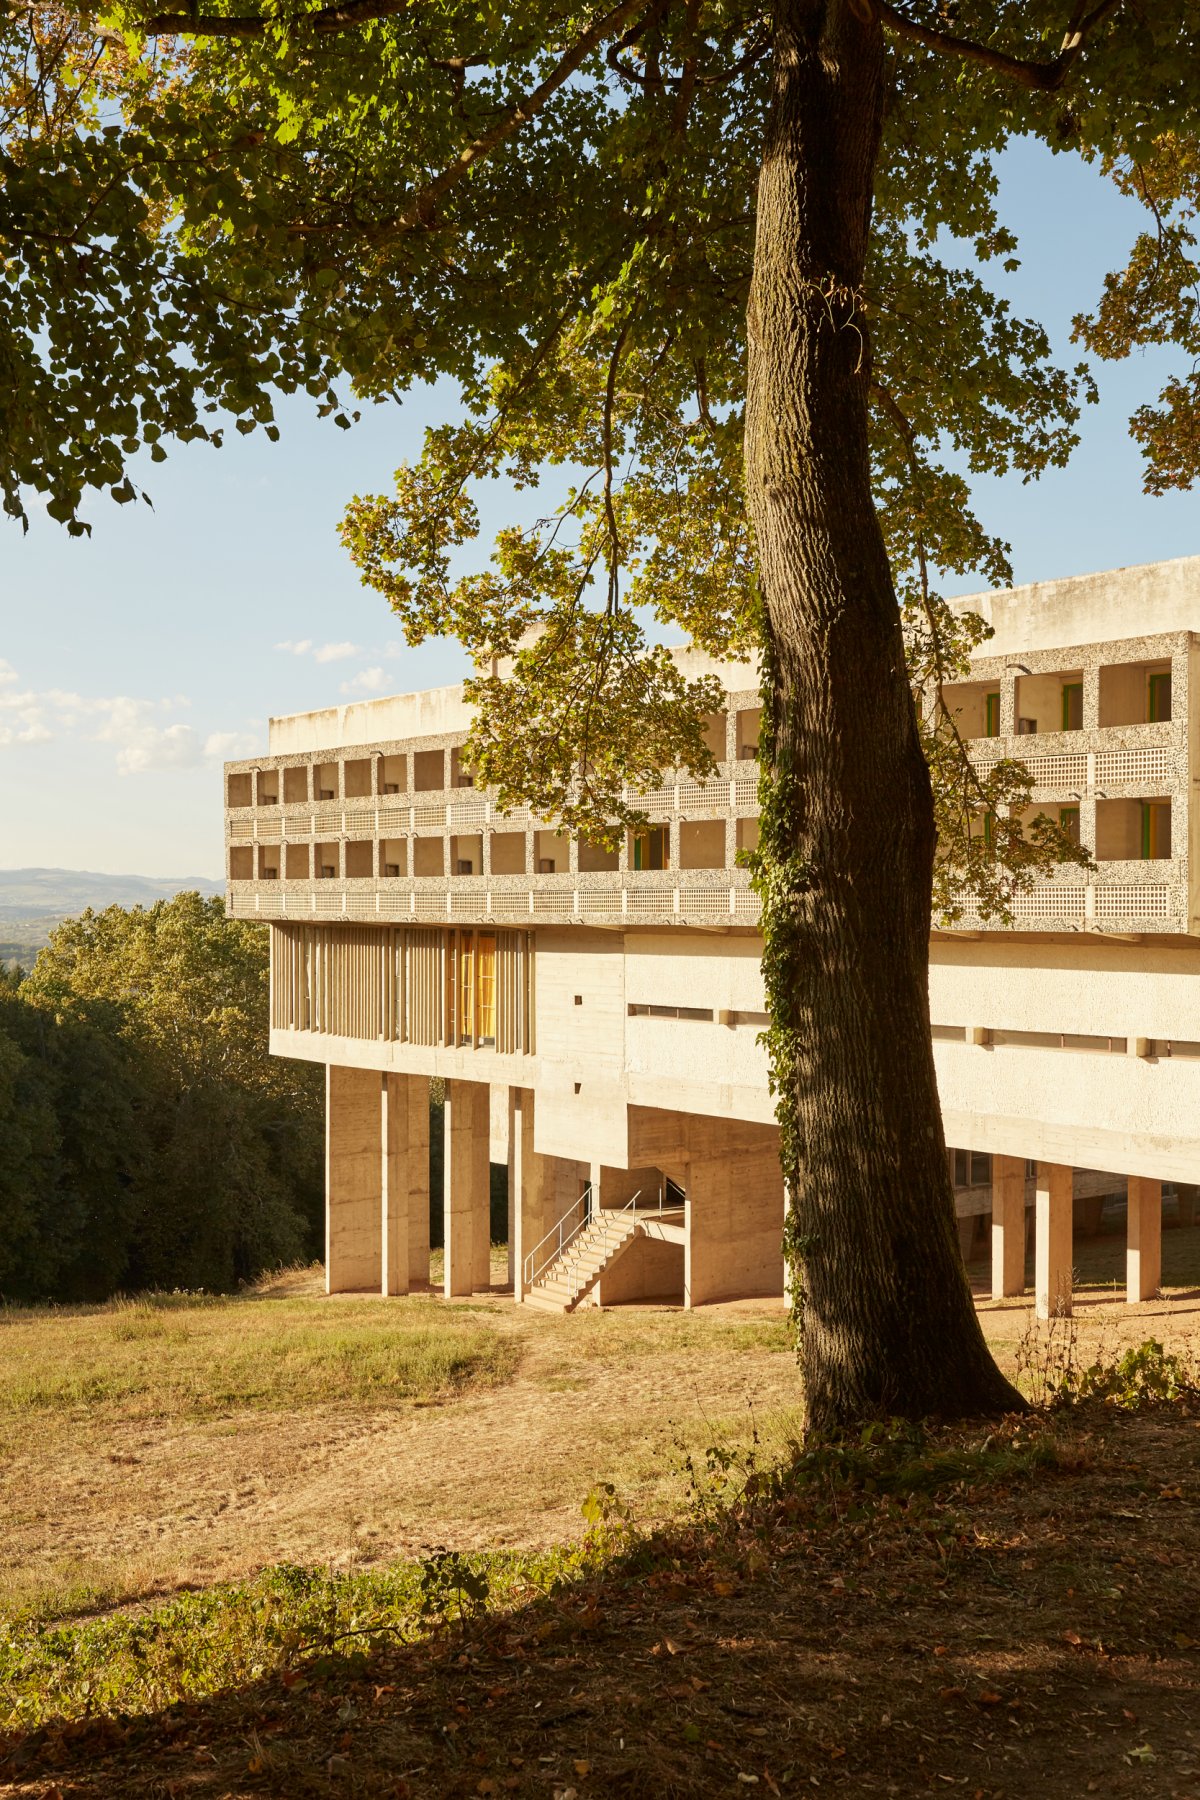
(132, 662)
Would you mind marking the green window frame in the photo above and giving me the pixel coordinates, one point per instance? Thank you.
(1072, 706)
(991, 715)
(1068, 822)
(1158, 698)
(1152, 828)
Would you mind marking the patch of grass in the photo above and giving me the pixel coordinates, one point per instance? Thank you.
(623, 1337)
(295, 1619)
(287, 1617)
(189, 1356)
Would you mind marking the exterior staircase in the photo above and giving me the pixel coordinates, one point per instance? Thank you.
(572, 1275)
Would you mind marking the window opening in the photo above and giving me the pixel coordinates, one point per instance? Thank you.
(650, 848)
(1158, 700)
(1156, 829)
(1072, 706)
(991, 704)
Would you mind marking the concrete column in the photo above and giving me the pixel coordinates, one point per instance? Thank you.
(1052, 1245)
(541, 1188)
(405, 1182)
(353, 1180)
(734, 1242)
(1008, 1226)
(1143, 1251)
(466, 1196)
(513, 1207)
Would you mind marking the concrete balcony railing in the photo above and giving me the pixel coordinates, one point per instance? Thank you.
(1153, 757)
(1115, 896)
(718, 897)
(467, 810)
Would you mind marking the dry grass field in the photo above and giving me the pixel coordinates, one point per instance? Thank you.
(178, 1440)
(220, 1575)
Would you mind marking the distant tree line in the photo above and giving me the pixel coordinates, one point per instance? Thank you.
(147, 1139)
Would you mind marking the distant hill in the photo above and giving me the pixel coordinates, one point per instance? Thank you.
(29, 893)
(34, 901)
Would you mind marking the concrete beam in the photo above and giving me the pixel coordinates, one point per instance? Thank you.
(1052, 1241)
(1143, 1250)
(353, 1180)
(1008, 1226)
(466, 1188)
(405, 1199)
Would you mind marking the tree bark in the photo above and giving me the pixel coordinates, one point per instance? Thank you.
(888, 1324)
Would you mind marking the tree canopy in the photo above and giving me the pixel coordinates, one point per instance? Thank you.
(725, 267)
(555, 207)
(150, 1140)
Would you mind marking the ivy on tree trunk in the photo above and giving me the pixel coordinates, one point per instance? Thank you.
(848, 838)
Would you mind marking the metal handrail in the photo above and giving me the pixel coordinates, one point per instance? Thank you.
(564, 1238)
(606, 1217)
(560, 1236)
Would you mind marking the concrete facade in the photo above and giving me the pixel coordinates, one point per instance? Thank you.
(596, 1020)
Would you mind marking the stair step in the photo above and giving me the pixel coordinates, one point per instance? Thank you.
(570, 1279)
(544, 1303)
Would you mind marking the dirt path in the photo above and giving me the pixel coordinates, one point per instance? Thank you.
(96, 1510)
(99, 1509)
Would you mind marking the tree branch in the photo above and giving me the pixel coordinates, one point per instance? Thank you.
(1039, 77)
(420, 208)
(321, 21)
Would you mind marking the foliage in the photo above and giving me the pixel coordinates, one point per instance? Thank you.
(1145, 1376)
(557, 212)
(152, 1141)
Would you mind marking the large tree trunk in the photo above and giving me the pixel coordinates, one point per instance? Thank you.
(888, 1326)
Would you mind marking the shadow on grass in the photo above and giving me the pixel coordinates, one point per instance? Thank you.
(1008, 1612)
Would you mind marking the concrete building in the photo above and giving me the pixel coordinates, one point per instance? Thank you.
(595, 1017)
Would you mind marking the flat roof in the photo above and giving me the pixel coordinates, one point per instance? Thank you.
(1143, 600)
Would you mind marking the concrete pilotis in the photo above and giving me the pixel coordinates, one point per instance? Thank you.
(541, 1188)
(514, 1206)
(353, 1180)
(1052, 1242)
(735, 1204)
(405, 1182)
(466, 1190)
(1143, 1254)
(1008, 1226)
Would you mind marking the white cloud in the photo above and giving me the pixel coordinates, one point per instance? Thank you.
(142, 732)
(321, 653)
(228, 746)
(367, 681)
(22, 713)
